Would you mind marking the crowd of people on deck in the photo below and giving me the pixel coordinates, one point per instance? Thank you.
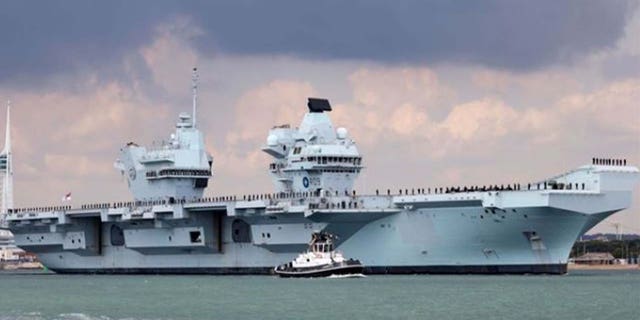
(179, 172)
(546, 185)
(39, 209)
(609, 162)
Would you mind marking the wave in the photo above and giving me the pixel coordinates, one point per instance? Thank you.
(344, 276)
(63, 316)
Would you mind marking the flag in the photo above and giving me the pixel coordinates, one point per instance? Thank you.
(67, 197)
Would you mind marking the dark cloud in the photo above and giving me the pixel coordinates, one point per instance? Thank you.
(39, 38)
(506, 34)
(42, 38)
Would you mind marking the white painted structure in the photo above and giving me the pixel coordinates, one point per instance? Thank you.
(6, 170)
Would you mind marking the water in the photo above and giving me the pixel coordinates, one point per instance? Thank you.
(579, 295)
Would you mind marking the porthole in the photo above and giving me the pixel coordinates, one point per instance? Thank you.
(481, 217)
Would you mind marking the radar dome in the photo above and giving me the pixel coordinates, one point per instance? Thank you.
(342, 133)
(272, 140)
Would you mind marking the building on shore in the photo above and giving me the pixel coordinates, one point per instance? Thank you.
(12, 257)
(595, 258)
(8, 251)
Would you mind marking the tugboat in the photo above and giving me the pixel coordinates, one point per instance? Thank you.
(320, 260)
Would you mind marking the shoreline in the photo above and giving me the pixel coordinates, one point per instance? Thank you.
(603, 267)
(21, 266)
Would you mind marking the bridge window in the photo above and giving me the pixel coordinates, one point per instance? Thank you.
(201, 183)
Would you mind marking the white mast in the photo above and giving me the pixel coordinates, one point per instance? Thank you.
(194, 82)
(6, 167)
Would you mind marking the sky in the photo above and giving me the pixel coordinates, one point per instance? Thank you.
(435, 93)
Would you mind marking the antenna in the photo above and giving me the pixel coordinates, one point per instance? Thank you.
(194, 83)
(7, 137)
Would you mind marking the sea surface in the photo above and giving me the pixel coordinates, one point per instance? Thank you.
(578, 295)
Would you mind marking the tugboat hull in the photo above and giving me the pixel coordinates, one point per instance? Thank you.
(354, 267)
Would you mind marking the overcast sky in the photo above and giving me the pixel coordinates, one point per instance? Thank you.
(435, 93)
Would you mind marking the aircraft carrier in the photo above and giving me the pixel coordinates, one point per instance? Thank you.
(169, 226)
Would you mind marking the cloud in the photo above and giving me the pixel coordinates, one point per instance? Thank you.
(371, 86)
(384, 113)
(70, 140)
(479, 120)
(504, 34)
(40, 39)
(613, 110)
(546, 84)
(407, 120)
(170, 55)
(74, 166)
(277, 102)
(256, 111)
(417, 124)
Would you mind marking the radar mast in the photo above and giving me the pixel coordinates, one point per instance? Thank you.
(194, 83)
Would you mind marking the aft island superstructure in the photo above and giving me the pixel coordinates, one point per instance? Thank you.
(169, 227)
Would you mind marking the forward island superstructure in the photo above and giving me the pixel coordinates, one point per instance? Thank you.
(170, 227)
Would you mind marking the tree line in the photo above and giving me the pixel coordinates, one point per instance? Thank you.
(618, 248)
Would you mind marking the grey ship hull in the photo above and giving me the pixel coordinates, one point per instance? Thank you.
(489, 269)
(528, 231)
